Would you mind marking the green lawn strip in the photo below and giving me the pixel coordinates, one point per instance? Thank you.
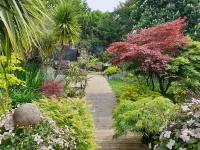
(118, 85)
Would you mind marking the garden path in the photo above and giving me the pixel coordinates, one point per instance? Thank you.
(101, 97)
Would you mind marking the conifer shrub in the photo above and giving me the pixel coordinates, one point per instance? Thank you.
(144, 116)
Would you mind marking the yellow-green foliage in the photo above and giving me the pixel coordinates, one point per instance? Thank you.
(112, 70)
(144, 116)
(6, 77)
(75, 114)
(133, 93)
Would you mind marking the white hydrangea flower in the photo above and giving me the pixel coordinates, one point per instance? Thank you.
(38, 139)
(1, 138)
(167, 134)
(47, 148)
(170, 144)
(185, 108)
(182, 148)
(197, 114)
(155, 147)
(190, 122)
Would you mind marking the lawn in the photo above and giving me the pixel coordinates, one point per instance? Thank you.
(118, 85)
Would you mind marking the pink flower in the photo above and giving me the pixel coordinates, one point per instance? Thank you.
(185, 138)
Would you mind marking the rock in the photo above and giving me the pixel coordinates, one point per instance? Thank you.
(48, 72)
(84, 72)
(26, 114)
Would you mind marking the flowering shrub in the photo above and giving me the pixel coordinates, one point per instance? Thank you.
(182, 132)
(43, 136)
(51, 88)
(73, 113)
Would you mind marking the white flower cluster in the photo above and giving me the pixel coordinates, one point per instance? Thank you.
(56, 137)
(7, 124)
(60, 137)
(184, 127)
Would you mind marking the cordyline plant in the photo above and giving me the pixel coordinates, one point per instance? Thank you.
(152, 49)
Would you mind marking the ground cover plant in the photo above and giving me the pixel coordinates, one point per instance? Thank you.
(44, 135)
(73, 113)
(182, 130)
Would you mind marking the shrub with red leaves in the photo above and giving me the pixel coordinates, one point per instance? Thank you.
(51, 88)
(152, 47)
(97, 67)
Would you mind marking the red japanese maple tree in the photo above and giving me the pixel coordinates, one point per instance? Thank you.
(152, 47)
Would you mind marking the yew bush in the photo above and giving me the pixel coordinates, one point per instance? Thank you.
(151, 49)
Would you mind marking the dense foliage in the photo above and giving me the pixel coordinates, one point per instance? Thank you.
(182, 130)
(136, 92)
(73, 113)
(45, 135)
(111, 70)
(186, 67)
(136, 14)
(151, 49)
(51, 88)
(144, 116)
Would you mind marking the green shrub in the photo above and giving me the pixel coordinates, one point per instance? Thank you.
(144, 116)
(134, 92)
(32, 75)
(111, 70)
(44, 135)
(75, 114)
(123, 76)
(23, 96)
(130, 75)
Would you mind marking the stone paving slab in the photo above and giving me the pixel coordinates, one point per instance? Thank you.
(102, 99)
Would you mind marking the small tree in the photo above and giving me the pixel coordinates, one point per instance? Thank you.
(152, 49)
(66, 27)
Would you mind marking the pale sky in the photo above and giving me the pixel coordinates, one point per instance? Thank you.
(104, 5)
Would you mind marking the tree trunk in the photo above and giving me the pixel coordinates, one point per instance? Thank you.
(60, 60)
(161, 84)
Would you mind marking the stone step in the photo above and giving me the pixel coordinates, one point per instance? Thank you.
(129, 142)
(115, 148)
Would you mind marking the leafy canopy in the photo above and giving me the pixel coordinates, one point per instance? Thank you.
(152, 47)
(66, 23)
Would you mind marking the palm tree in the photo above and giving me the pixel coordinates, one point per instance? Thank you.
(67, 28)
(18, 32)
(18, 20)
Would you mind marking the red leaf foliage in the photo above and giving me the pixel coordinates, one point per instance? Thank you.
(152, 47)
(51, 88)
